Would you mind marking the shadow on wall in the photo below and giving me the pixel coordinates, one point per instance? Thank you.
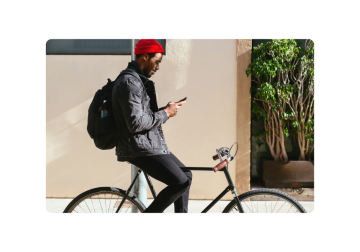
(73, 163)
(65, 128)
(73, 160)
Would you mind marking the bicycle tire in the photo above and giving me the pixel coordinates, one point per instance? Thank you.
(268, 198)
(107, 198)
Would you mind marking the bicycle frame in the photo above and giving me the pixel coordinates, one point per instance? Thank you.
(230, 187)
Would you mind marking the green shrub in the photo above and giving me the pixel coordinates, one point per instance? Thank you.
(283, 94)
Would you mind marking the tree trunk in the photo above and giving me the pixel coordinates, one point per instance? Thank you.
(302, 146)
(269, 140)
(278, 150)
(273, 153)
(270, 137)
(282, 142)
(302, 154)
(301, 141)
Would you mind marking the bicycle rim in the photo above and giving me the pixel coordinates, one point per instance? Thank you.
(104, 200)
(265, 201)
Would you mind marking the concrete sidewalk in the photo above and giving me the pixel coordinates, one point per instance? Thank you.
(56, 205)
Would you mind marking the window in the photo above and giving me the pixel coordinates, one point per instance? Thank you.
(92, 46)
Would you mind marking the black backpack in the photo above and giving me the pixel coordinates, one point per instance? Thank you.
(103, 131)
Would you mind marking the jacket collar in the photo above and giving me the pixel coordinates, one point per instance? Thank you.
(134, 69)
(134, 65)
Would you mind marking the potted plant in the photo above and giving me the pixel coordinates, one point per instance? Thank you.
(283, 100)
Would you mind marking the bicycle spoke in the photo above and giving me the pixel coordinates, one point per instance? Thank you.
(105, 201)
(100, 204)
(87, 206)
(92, 204)
(110, 203)
(281, 206)
(275, 205)
(82, 208)
(293, 210)
(290, 208)
(247, 206)
(251, 205)
(265, 204)
(128, 207)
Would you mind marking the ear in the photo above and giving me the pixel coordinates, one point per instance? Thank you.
(146, 57)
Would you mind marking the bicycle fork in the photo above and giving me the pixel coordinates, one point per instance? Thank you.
(233, 190)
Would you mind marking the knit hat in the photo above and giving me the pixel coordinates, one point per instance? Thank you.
(148, 46)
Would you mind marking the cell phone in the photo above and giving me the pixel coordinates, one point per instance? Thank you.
(183, 99)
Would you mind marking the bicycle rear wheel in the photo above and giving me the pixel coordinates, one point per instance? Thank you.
(104, 200)
(265, 201)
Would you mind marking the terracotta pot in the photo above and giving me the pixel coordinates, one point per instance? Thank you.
(290, 174)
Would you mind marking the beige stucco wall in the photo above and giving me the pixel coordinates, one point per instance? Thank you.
(203, 70)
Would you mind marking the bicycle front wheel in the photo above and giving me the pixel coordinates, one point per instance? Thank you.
(104, 200)
(265, 201)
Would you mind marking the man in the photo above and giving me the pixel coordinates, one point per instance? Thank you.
(139, 121)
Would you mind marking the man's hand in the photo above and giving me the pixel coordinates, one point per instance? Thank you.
(172, 108)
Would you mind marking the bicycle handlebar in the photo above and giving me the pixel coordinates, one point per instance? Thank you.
(221, 165)
(223, 151)
(215, 157)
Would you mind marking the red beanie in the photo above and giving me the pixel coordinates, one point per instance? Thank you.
(148, 46)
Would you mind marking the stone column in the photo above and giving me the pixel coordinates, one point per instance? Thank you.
(243, 116)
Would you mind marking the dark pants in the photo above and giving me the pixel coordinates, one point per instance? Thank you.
(165, 168)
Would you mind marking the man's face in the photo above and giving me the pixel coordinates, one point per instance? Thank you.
(153, 64)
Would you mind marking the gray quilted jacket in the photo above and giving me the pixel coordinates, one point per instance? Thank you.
(137, 115)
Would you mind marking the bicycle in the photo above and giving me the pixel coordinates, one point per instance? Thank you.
(116, 200)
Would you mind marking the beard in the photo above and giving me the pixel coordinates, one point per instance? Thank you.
(147, 73)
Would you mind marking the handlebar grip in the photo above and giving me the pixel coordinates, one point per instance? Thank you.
(221, 165)
(215, 157)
